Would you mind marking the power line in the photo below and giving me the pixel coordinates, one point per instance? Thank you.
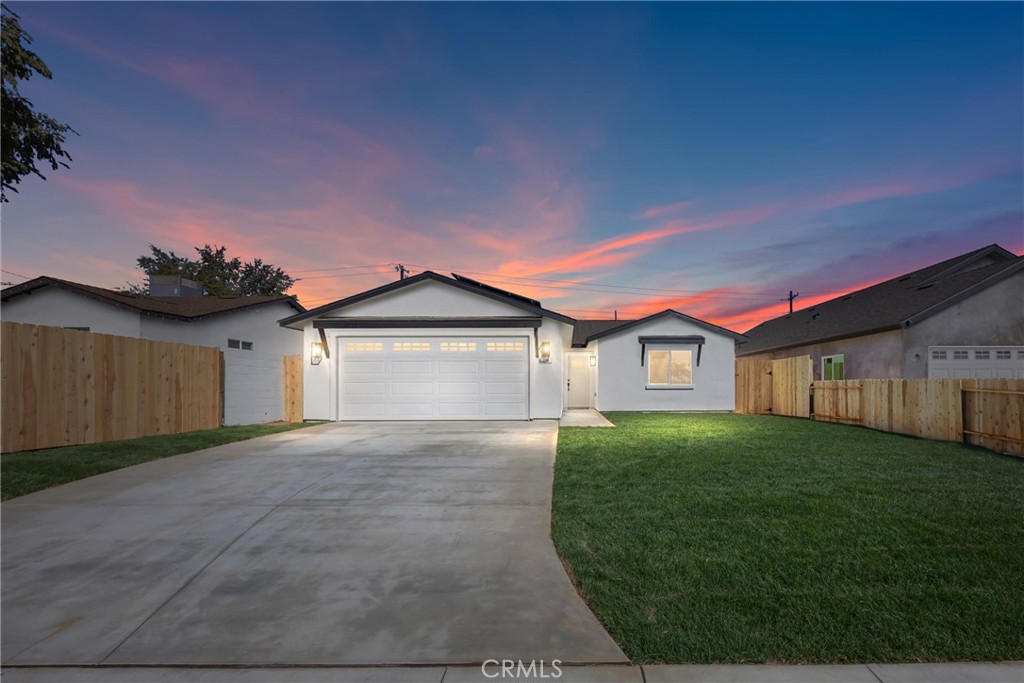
(754, 296)
(15, 274)
(324, 270)
(322, 277)
(547, 283)
(584, 286)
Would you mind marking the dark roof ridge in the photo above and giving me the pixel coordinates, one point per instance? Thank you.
(627, 324)
(965, 260)
(389, 287)
(173, 307)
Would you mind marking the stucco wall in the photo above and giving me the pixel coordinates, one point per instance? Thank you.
(993, 317)
(873, 356)
(59, 308)
(622, 381)
(433, 299)
(258, 325)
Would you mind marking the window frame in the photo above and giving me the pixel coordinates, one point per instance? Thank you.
(832, 363)
(670, 386)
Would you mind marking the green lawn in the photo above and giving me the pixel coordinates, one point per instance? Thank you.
(22, 473)
(741, 538)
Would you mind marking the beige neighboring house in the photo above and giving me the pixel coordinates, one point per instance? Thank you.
(963, 317)
(244, 327)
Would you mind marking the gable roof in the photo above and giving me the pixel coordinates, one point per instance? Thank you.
(587, 331)
(463, 283)
(896, 303)
(186, 308)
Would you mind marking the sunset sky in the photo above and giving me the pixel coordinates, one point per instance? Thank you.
(599, 157)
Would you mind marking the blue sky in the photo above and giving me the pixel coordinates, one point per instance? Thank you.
(630, 157)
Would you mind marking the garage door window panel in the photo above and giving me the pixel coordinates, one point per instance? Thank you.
(364, 347)
(506, 347)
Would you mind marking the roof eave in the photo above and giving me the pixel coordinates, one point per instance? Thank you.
(415, 279)
(682, 316)
(964, 293)
(45, 281)
(740, 352)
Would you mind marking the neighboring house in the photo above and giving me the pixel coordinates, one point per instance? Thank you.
(432, 347)
(244, 327)
(963, 317)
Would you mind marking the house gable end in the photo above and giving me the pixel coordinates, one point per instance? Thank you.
(368, 303)
(670, 314)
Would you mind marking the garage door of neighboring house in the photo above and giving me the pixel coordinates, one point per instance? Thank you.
(979, 362)
(434, 378)
(253, 387)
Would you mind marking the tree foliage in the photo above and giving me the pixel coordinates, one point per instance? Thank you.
(219, 275)
(28, 136)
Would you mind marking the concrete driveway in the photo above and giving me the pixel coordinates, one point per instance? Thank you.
(346, 543)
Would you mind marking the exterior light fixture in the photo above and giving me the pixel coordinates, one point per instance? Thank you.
(593, 361)
(316, 353)
(545, 352)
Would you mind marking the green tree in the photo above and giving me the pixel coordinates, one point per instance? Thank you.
(219, 275)
(28, 136)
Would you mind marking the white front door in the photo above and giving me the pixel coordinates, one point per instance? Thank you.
(580, 393)
(434, 378)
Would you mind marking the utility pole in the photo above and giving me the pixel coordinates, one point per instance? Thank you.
(402, 271)
(792, 295)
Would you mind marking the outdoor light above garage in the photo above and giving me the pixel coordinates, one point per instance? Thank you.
(545, 352)
(316, 353)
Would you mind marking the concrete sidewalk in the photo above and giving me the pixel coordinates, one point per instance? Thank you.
(1002, 672)
(583, 417)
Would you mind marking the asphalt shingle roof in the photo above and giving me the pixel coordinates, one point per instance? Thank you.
(180, 307)
(584, 329)
(887, 305)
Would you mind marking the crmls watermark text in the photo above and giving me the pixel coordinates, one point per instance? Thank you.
(517, 668)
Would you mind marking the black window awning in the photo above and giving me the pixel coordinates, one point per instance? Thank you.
(693, 339)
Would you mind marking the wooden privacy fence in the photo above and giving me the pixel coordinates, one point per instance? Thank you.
(778, 387)
(927, 408)
(985, 412)
(63, 387)
(293, 388)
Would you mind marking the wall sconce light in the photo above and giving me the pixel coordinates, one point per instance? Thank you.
(593, 361)
(316, 353)
(545, 352)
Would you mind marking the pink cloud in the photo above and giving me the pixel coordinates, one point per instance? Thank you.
(909, 185)
(663, 210)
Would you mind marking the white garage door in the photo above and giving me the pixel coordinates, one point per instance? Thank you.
(434, 378)
(978, 362)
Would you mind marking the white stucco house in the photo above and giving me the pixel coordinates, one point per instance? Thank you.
(244, 328)
(432, 347)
